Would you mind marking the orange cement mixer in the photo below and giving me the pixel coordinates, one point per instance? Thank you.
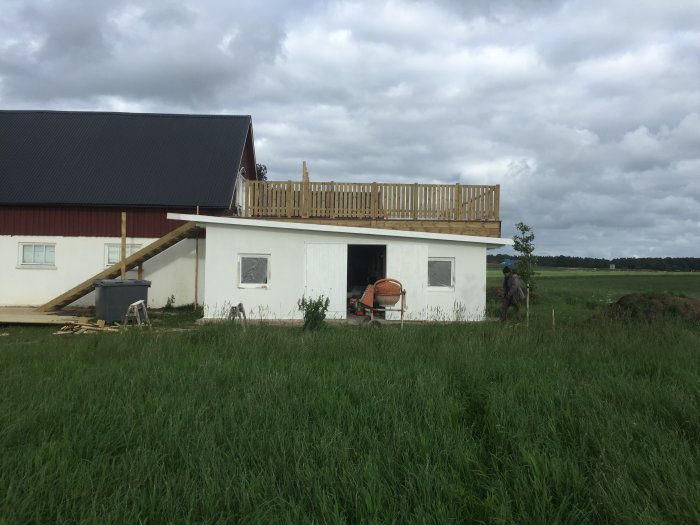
(382, 295)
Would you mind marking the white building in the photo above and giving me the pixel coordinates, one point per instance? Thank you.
(268, 266)
(26, 281)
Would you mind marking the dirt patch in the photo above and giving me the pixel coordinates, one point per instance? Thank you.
(654, 307)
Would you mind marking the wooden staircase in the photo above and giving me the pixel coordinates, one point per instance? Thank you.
(131, 262)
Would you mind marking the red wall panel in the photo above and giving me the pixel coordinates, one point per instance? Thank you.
(89, 221)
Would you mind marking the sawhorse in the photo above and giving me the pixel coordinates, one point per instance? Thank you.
(137, 314)
(238, 312)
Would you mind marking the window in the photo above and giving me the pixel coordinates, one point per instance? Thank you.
(113, 252)
(254, 271)
(441, 272)
(37, 255)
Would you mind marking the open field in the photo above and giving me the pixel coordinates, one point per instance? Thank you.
(594, 422)
(579, 294)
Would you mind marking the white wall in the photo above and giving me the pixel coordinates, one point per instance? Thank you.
(406, 261)
(79, 258)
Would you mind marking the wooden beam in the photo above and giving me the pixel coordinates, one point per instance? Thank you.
(123, 258)
(196, 268)
(476, 228)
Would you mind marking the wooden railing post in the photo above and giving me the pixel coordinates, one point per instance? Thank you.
(249, 188)
(289, 198)
(305, 198)
(331, 194)
(496, 202)
(250, 200)
(458, 213)
(374, 202)
(253, 192)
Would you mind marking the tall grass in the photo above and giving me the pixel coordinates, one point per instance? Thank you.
(470, 423)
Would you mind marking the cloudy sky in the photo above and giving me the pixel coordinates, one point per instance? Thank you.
(587, 113)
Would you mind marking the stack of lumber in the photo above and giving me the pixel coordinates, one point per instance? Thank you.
(83, 326)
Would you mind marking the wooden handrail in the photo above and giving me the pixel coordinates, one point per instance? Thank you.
(359, 200)
(113, 271)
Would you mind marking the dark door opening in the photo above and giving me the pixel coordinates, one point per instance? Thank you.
(366, 265)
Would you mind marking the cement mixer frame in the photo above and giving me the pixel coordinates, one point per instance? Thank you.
(385, 299)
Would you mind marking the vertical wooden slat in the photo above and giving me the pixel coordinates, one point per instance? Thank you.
(289, 198)
(256, 198)
(470, 203)
(250, 188)
(458, 202)
(333, 199)
(374, 213)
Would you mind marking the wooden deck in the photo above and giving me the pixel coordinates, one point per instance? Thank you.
(440, 208)
(28, 315)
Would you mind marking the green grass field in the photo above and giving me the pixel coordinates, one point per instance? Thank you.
(594, 422)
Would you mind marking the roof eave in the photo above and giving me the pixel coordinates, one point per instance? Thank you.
(204, 220)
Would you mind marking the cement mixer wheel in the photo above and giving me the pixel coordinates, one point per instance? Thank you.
(371, 323)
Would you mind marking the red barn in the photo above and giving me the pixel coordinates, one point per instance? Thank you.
(66, 178)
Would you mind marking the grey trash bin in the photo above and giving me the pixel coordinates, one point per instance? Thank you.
(113, 297)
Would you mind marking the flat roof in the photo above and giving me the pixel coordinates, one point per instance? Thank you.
(203, 220)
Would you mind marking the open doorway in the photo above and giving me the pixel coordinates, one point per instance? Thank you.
(366, 265)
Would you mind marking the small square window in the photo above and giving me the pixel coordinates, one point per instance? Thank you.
(36, 254)
(441, 272)
(113, 252)
(254, 271)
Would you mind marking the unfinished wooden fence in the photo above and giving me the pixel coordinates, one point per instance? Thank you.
(352, 200)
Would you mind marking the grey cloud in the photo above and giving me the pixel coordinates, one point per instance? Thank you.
(167, 52)
(586, 113)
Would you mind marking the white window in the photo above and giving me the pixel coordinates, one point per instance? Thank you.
(254, 270)
(113, 252)
(441, 272)
(37, 255)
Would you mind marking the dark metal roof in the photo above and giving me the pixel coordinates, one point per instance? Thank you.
(116, 159)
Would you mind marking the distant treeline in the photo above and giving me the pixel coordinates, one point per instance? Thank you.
(667, 264)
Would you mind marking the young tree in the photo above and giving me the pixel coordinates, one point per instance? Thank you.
(523, 244)
(261, 171)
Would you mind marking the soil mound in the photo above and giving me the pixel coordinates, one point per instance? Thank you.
(654, 307)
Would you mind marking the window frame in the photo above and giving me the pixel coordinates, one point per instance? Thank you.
(42, 265)
(133, 246)
(242, 256)
(447, 288)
